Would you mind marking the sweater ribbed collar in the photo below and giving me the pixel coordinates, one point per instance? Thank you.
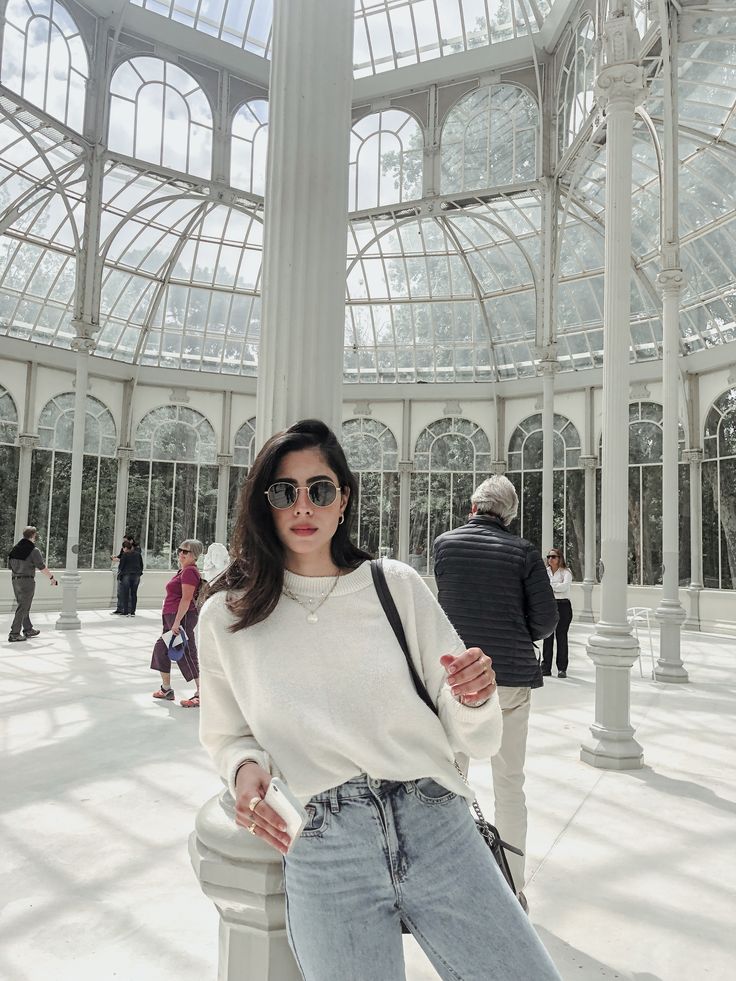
(316, 586)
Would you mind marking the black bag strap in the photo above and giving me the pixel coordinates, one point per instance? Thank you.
(392, 615)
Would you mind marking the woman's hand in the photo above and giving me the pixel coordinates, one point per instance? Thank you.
(470, 676)
(262, 821)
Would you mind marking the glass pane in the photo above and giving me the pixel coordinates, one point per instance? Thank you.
(390, 524)
(575, 524)
(634, 569)
(531, 509)
(418, 513)
(158, 551)
(207, 505)
(440, 508)
(58, 524)
(185, 505)
(106, 505)
(728, 523)
(711, 570)
(369, 525)
(88, 511)
(651, 528)
(237, 476)
(515, 526)
(684, 518)
(135, 521)
(9, 456)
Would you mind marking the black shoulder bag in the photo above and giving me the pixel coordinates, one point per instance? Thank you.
(487, 831)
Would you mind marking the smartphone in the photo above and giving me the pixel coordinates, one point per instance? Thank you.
(280, 798)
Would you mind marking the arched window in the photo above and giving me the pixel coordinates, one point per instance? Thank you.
(451, 457)
(159, 113)
(172, 493)
(568, 487)
(51, 479)
(719, 498)
(45, 59)
(489, 138)
(243, 457)
(575, 94)
(8, 471)
(386, 155)
(645, 498)
(372, 453)
(248, 155)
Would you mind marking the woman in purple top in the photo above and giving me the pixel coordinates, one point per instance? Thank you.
(180, 613)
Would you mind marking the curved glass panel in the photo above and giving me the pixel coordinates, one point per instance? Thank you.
(175, 433)
(451, 457)
(489, 138)
(719, 500)
(159, 113)
(386, 158)
(248, 155)
(243, 456)
(575, 93)
(373, 456)
(44, 58)
(9, 459)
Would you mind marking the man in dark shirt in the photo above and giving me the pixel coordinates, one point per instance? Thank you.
(495, 590)
(24, 559)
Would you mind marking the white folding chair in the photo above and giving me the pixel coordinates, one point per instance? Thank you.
(642, 615)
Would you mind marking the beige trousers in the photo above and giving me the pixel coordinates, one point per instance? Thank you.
(507, 767)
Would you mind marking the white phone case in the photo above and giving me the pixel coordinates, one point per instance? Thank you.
(280, 798)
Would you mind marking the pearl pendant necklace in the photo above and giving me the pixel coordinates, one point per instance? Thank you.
(308, 605)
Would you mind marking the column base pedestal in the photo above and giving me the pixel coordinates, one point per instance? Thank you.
(68, 618)
(586, 614)
(611, 751)
(669, 667)
(692, 621)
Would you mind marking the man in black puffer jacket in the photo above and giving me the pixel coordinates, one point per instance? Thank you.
(495, 590)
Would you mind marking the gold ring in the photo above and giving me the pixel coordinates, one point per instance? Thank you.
(253, 804)
(252, 828)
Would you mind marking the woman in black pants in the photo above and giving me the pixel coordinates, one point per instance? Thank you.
(560, 579)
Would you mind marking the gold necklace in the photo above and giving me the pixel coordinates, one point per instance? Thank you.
(309, 604)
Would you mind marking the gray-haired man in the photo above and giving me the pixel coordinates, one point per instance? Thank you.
(495, 590)
(24, 559)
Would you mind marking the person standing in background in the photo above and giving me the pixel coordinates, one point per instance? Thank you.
(24, 559)
(130, 571)
(180, 615)
(560, 579)
(493, 588)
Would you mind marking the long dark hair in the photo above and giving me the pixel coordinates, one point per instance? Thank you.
(257, 569)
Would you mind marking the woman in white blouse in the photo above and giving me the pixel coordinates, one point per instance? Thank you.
(560, 579)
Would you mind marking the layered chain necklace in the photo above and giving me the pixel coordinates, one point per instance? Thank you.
(312, 605)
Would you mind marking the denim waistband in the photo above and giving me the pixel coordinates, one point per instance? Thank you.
(362, 786)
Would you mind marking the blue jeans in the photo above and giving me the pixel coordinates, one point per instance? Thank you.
(376, 852)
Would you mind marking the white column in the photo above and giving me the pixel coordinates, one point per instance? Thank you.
(26, 442)
(612, 647)
(695, 458)
(224, 462)
(405, 470)
(548, 428)
(70, 578)
(589, 465)
(244, 879)
(670, 612)
(305, 236)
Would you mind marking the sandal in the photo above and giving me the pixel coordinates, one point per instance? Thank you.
(191, 703)
(165, 693)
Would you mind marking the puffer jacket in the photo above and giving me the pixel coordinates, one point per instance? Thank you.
(495, 590)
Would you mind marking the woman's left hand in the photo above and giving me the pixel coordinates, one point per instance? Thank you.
(470, 675)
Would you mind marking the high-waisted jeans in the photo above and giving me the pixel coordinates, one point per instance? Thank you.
(374, 853)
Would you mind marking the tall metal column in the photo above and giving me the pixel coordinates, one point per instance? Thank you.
(612, 647)
(27, 440)
(70, 578)
(549, 368)
(670, 612)
(305, 237)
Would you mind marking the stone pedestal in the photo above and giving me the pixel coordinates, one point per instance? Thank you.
(244, 879)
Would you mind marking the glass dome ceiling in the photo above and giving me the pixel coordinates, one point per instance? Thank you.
(440, 286)
(388, 33)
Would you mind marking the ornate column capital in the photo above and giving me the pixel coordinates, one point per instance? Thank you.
(84, 342)
(693, 455)
(124, 453)
(406, 466)
(671, 280)
(27, 441)
(499, 466)
(224, 459)
(587, 462)
(620, 83)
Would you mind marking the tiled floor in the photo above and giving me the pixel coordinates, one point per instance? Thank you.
(631, 874)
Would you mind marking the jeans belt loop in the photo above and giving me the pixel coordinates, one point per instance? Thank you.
(334, 801)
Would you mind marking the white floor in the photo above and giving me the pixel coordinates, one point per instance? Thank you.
(631, 874)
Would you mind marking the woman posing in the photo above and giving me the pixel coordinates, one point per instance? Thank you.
(561, 579)
(180, 611)
(303, 677)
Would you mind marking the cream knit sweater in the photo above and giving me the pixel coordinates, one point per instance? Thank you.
(319, 703)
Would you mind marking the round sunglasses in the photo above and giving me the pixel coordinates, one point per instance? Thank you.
(283, 495)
